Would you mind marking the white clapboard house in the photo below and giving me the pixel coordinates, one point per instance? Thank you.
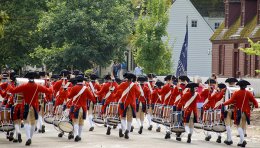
(199, 33)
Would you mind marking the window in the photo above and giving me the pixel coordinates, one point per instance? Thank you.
(217, 25)
(236, 46)
(194, 23)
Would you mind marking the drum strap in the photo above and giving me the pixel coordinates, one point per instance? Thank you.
(150, 87)
(92, 88)
(219, 102)
(207, 100)
(34, 95)
(80, 93)
(141, 90)
(126, 91)
(108, 93)
(191, 100)
(167, 95)
(67, 85)
(179, 96)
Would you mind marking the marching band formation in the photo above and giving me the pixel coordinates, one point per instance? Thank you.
(179, 105)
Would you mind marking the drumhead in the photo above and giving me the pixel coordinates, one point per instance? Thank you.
(179, 129)
(198, 125)
(113, 120)
(207, 128)
(6, 127)
(49, 119)
(65, 126)
(157, 120)
(219, 128)
(98, 121)
(56, 122)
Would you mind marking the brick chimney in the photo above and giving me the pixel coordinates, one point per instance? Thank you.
(232, 11)
(248, 11)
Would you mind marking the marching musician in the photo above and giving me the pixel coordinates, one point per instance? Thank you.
(30, 92)
(150, 84)
(166, 93)
(128, 92)
(242, 99)
(179, 91)
(207, 93)
(79, 95)
(157, 99)
(94, 86)
(142, 102)
(228, 113)
(106, 92)
(188, 103)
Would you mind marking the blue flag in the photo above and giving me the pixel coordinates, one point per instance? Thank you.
(182, 64)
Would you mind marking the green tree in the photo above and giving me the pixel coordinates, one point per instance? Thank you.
(254, 49)
(3, 20)
(18, 41)
(88, 32)
(151, 52)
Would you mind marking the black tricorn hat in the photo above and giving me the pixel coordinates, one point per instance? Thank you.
(42, 73)
(80, 78)
(142, 78)
(64, 73)
(77, 72)
(93, 77)
(169, 77)
(159, 83)
(118, 80)
(184, 78)
(107, 77)
(31, 75)
(192, 85)
(55, 76)
(231, 80)
(210, 81)
(222, 85)
(243, 83)
(151, 75)
(129, 75)
(5, 75)
(73, 81)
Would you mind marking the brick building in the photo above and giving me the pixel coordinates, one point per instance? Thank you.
(242, 20)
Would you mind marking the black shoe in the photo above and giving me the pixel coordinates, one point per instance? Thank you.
(43, 128)
(22, 125)
(115, 126)
(132, 128)
(178, 138)
(140, 130)
(11, 136)
(150, 127)
(28, 142)
(121, 133)
(91, 129)
(77, 139)
(108, 131)
(126, 134)
(20, 138)
(189, 138)
(60, 134)
(219, 139)
(70, 136)
(158, 129)
(105, 125)
(242, 144)
(245, 135)
(39, 131)
(35, 129)
(15, 141)
(228, 142)
(208, 138)
(168, 135)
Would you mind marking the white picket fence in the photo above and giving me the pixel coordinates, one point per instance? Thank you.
(255, 83)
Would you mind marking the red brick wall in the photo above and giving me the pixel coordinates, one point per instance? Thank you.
(215, 58)
(228, 60)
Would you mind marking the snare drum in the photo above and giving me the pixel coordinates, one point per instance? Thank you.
(65, 124)
(97, 114)
(167, 115)
(157, 114)
(48, 117)
(57, 115)
(219, 125)
(5, 120)
(112, 114)
(208, 120)
(177, 125)
(199, 124)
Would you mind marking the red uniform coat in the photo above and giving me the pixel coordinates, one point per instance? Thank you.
(31, 93)
(156, 96)
(238, 98)
(207, 94)
(191, 108)
(129, 98)
(166, 88)
(179, 91)
(97, 87)
(81, 101)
